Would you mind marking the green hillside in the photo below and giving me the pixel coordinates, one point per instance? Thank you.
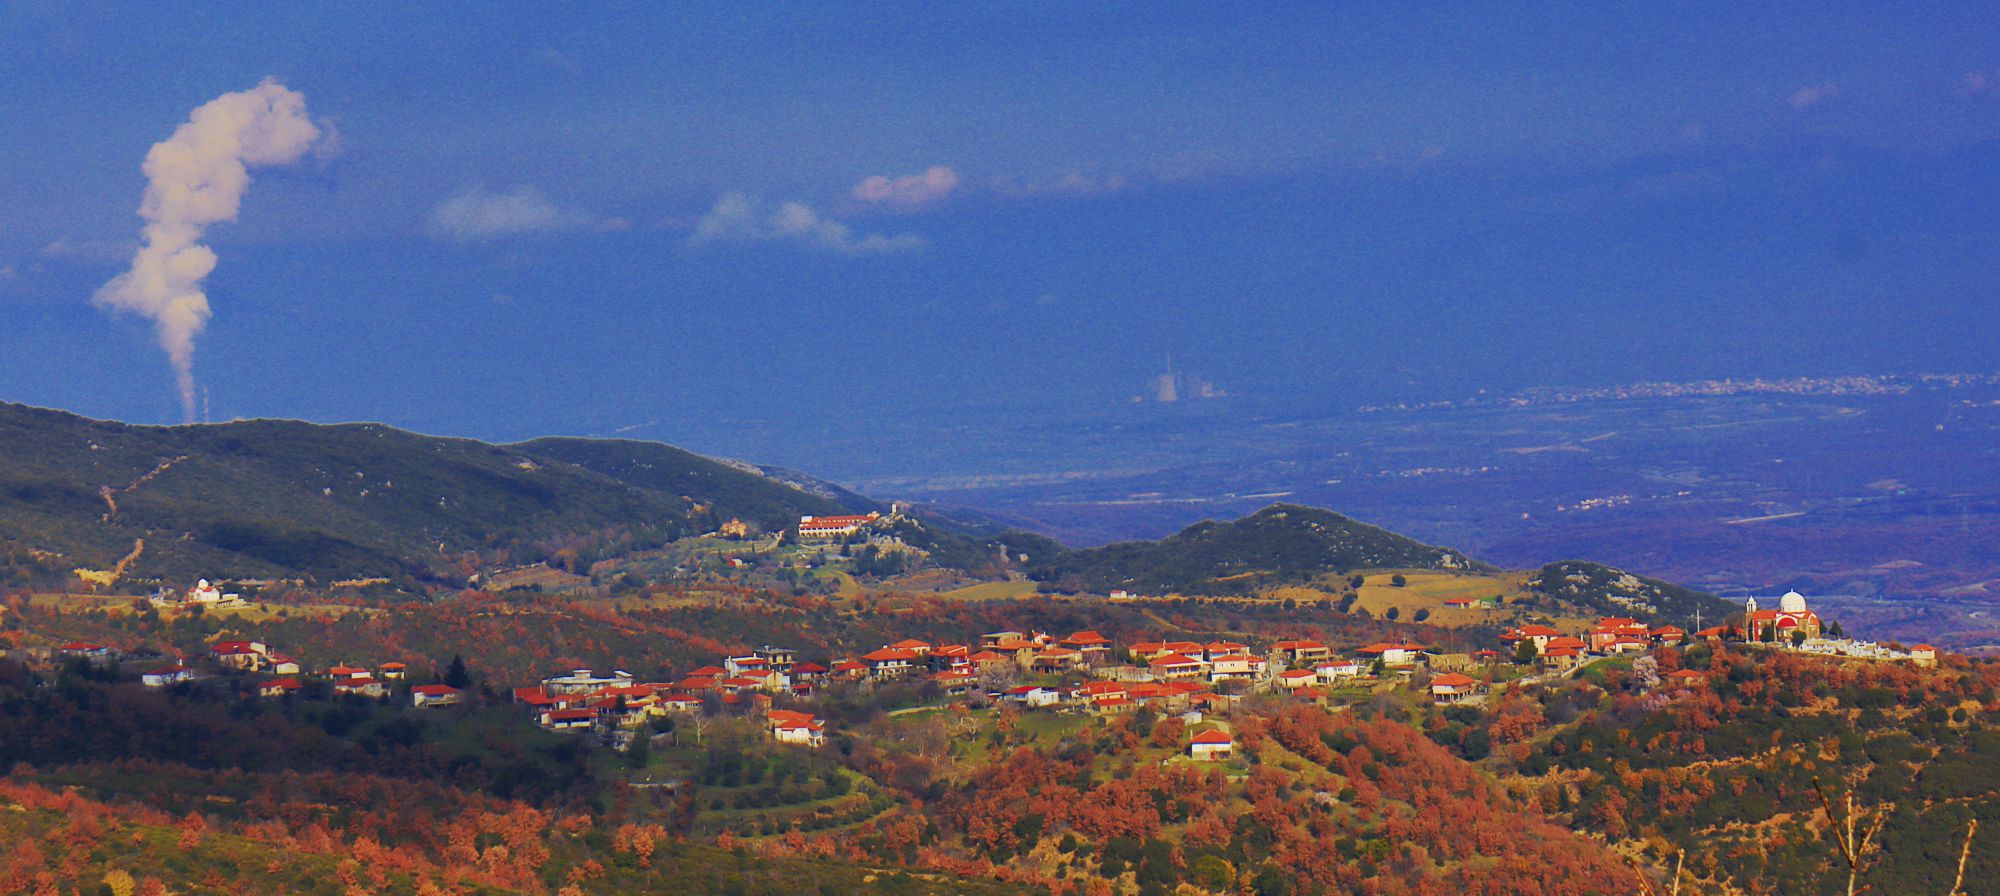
(269, 498)
(1615, 592)
(1282, 544)
(769, 497)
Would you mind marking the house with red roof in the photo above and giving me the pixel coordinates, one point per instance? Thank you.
(1213, 745)
(1561, 658)
(424, 696)
(889, 662)
(1090, 643)
(953, 681)
(1293, 679)
(808, 671)
(1453, 687)
(1173, 665)
(1924, 655)
(1332, 671)
(246, 655)
(826, 528)
(279, 687)
(1539, 634)
(1053, 660)
(1294, 653)
(789, 726)
(849, 670)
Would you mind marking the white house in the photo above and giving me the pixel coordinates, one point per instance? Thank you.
(1337, 670)
(166, 675)
(427, 695)
(1211, 746)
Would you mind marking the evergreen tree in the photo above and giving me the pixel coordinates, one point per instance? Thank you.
(455, 675)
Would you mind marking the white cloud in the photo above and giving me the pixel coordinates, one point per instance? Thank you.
(735, 218)
(1071, 184)
(475, 214)
(1808, 97)
(89, 250)
(910, 190)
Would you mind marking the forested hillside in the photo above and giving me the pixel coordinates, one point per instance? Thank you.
(1280, 545)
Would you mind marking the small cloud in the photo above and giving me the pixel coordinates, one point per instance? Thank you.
(1980, 83)
(329, 146)
(1694, 131)
(89, 250)
(1071, 184)
(555, 59)
(475, 214)
(1431, 154)
(735, 218)
(910, 190)
(1046, 299)
(1808, 97)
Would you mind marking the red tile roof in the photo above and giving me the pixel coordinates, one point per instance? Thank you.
(1214, 736)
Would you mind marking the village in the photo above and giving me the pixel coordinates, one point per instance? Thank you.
(1082, 672)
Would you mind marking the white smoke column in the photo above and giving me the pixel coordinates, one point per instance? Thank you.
(196, 178)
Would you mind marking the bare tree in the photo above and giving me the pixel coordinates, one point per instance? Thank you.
(1964, 852)
(1860, 854)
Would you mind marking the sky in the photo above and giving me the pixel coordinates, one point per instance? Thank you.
(738, 228)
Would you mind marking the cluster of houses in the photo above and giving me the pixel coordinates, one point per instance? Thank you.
(1792, 624)
(1187, 677)
(285, 673)
(1612, 635)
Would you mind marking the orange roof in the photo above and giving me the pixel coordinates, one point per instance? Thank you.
(889, 655)
(1086, 637)
(1214, 736)
(290, 684)
(911, 644)
(1174, 659)
(434, 690)
(1453, 680)
(1298, 645)
(1924, 647)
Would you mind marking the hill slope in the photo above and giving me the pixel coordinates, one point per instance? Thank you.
(285, 498)
(1280, 545)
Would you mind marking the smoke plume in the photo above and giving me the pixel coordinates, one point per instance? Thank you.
(193, 179)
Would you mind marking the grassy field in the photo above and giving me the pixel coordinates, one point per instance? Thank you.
(1429, 590)
(1011, 590)
(121, 604)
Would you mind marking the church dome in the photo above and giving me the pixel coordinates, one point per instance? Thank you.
(1792, 602)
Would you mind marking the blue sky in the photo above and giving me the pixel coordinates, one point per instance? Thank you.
(725, 227)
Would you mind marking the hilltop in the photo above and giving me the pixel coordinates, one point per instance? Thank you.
(1283, 544)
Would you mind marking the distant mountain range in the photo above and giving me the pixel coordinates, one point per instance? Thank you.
(323, 503)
